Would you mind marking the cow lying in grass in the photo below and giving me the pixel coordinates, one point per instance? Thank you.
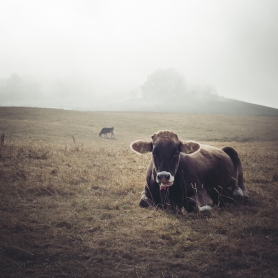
(188, 174)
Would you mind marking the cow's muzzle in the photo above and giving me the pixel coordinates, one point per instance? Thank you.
(164, 178)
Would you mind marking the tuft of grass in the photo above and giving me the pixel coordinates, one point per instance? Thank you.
(2, 138)
(274, 176)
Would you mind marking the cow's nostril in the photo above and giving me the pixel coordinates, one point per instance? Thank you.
(163, 176)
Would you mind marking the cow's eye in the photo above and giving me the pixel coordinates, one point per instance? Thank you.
(176, 153)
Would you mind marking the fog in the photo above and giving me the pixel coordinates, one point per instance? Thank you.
(82, 54)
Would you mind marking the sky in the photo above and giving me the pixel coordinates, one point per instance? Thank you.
(116, 44)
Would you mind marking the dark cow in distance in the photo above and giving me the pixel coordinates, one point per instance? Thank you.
(106, 130)
(188, 174)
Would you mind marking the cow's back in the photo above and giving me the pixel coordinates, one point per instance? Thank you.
(208, 159)
(211, 169)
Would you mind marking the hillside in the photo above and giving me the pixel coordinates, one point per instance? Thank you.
(196, 103)
(210, 104)
(57, 126)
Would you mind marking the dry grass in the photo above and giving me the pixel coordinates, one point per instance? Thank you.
(69, 213)
(53, 126)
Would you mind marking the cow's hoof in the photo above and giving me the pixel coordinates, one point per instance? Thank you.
(191, 206)
(245, 199)
(205, 208)
(162, 206)
(145, 203)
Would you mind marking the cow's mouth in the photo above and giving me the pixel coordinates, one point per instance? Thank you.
(165, 184)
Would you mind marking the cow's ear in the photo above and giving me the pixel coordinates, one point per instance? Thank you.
(141, 147)
(190, 147)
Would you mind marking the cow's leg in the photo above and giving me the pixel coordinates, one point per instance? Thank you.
(192, 204)
(199, 202)
(145, 202)
(204, 201)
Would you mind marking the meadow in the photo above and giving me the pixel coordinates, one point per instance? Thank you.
(69, 199)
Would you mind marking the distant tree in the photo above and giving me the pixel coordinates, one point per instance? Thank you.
(17, 88)
(163, 83)
(134, 93)
(14, 84)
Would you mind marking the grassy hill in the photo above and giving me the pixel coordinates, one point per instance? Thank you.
(210, 104)
(191, 103)
(70, 209)
(57, 126)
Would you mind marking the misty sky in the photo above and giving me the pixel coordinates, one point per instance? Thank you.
(116, 43)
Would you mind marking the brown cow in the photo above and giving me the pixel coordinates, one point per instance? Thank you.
(188, 174)
(106, 130)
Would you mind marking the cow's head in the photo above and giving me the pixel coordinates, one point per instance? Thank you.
(165, 148)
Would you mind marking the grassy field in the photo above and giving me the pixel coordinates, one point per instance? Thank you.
(71, 209)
